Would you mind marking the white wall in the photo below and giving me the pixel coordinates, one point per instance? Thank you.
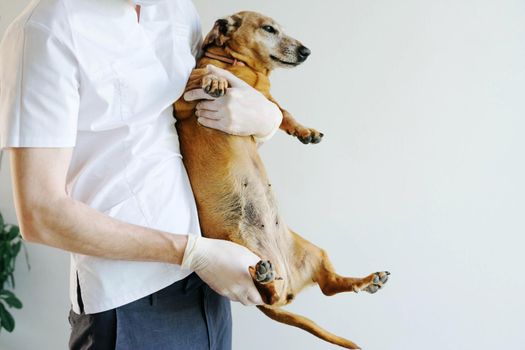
(420, 172)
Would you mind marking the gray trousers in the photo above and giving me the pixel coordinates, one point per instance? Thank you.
(187, 315)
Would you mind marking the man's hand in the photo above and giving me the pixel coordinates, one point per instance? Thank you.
(242, 111)
(223, 265)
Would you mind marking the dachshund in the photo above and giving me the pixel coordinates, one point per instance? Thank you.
(234, 197)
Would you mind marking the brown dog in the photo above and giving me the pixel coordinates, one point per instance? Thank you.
(234, 197)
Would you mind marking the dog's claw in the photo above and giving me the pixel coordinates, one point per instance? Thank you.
(384, 278)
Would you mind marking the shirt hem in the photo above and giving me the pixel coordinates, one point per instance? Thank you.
(108, 304)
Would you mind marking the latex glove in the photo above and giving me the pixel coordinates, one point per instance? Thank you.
(241, 111)
(223, 265)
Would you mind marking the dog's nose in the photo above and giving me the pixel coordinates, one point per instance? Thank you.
(303, 52)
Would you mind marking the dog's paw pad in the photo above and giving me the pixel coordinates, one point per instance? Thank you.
(214, 86)
(372, 288)
(264, 272)
(378, 279)
(309, 136)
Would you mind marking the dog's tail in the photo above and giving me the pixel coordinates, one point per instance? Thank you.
(308, 325)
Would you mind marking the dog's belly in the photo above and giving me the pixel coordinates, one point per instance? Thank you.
(261, 228)
(258, 225)
(235, 200)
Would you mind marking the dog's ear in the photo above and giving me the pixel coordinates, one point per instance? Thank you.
(221, 31)
(218, 35)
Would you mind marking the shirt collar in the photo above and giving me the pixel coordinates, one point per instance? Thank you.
(147, 2)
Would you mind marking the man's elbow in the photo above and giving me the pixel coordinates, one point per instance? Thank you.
(37, 221)
(30, 224)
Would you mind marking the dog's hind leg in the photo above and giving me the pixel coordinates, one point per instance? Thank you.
(331, 283)
(313, 264)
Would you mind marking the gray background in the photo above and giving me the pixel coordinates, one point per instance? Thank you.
(421, 172)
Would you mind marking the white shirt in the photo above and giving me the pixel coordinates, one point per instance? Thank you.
(86, 74)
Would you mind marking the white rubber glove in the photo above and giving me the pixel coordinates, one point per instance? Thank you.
(241, 111)
(223, 265)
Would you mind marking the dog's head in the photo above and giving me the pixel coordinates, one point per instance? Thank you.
(257, 40)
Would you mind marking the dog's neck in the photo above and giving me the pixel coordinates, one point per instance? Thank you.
(225, 59)
(228, 56)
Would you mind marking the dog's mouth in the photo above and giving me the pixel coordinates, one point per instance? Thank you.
(284, 62)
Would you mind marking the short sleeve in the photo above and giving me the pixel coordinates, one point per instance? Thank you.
(39, 89)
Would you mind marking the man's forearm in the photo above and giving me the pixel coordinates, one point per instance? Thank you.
(73, 226)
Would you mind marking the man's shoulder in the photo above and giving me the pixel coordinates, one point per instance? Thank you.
(50, 16)
(184, 11)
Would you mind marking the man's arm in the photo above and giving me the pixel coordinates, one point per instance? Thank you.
(47, 215)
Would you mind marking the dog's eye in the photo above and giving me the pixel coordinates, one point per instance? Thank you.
(269, 29)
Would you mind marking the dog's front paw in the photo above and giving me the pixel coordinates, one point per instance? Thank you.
(308, 135)
(374, 282)
(214, 86)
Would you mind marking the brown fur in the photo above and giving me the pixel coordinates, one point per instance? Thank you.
(234, 196)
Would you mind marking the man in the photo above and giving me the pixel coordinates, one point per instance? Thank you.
(86, 93)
